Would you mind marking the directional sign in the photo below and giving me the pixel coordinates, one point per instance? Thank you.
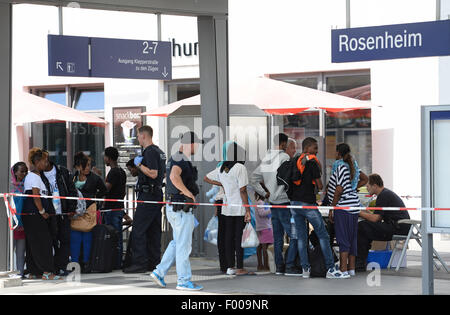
(134, 59)
(109, 58)
(391, 41)
(68, 56)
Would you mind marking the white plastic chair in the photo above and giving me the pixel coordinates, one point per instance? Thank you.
(414, 233)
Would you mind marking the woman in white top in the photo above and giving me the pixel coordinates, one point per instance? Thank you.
(219, 199)
(233, 177)
(39, 258)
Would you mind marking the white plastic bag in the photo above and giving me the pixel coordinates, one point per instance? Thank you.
(211, 231)
(249, 237)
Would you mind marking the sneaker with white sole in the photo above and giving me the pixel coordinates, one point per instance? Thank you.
(293, 272)
(231, 272)
(352, 273)
(306, 273)
(335, 273)
(159, 280)
(189, 286)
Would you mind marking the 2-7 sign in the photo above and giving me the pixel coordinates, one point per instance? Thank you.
(109, 58)
(147, 47)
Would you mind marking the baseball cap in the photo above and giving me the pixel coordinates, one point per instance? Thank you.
(190, 137)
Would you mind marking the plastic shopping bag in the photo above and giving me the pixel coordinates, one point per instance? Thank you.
(211, 231)
(249, 237)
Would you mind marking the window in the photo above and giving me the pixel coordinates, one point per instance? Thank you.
(59, 97)
(62, 139)
(180, 90)
(352, 127)
(306, 82)
(90, 100)
(336, 84)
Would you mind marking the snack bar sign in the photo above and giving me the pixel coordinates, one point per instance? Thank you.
(391, 41)
(109, 58)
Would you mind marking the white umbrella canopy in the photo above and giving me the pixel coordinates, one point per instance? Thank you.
(28, 108)
(281, 98)
(274, 97)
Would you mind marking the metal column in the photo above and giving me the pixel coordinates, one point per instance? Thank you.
(5, 121)
(213, 56)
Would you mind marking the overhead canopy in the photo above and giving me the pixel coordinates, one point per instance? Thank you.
(28, 108)
(272, 96)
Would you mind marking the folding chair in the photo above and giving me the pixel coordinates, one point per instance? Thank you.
(414, 233)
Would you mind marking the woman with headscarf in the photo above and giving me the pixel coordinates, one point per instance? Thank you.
(232, 176)
(18, 173)
(219, 198)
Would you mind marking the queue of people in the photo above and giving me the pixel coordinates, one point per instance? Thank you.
(354, 230)
(47, 238)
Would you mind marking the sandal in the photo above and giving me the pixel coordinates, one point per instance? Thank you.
(50, 276)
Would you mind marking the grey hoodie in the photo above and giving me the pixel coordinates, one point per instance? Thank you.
(266, 173)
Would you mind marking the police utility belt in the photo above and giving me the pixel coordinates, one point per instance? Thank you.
(152, 189)
(181, 207)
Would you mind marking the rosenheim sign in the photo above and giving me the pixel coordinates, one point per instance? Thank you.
(391, 41)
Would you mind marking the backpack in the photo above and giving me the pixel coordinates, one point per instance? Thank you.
(287, 173)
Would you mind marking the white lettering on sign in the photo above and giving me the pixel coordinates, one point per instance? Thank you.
(386, 41)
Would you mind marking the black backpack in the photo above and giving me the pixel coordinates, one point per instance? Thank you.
(287, 173)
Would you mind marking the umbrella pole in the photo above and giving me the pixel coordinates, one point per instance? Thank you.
(323, 146)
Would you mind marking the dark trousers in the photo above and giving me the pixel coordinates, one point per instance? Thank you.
(375, 231)
(234, 227)
(39, 245)
(146, 241)
(115, 218)
(61, 244)
(221, 238)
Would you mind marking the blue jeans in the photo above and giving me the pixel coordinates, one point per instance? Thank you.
(315, 218)
(281, 222)
(115, 218)
(180, 247)
(76, 239)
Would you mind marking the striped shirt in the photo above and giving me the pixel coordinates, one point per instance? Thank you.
(349, 197)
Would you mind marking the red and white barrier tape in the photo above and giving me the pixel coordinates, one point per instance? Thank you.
(231, 205)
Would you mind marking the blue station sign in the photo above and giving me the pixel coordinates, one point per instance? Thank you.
(391, 41)
(109, 58)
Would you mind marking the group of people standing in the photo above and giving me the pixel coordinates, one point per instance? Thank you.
(354, 229)
(52, 232)
(46, 231)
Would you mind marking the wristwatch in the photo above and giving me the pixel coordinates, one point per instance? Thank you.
(42, 212)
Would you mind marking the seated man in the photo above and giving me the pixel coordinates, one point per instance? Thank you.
(380, 225)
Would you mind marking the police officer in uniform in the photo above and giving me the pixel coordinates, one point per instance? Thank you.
(146, 241)
(180, 187)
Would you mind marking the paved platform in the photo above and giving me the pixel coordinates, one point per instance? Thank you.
(205, 272)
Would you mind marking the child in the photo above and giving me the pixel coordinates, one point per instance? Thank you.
(264, 231)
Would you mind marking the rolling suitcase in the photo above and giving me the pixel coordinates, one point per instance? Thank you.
(105, 248)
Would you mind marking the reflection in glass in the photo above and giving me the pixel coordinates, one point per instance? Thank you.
(346, 82)
(51, 137)
(90, 138)
(90, 100)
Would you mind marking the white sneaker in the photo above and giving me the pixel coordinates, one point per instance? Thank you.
(352, 273)
(306, 272)
(231, 272)
(335, 273)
